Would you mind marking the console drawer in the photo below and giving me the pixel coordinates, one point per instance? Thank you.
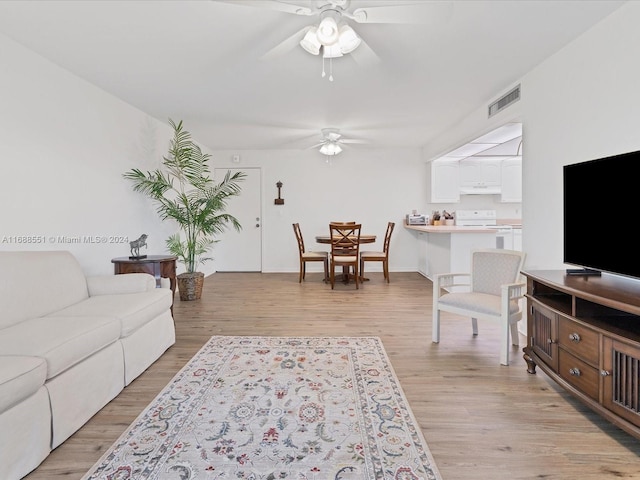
(579, 340)
(578, 373)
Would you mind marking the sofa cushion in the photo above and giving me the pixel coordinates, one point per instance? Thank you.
(37, 283)
(132, 309)
(20, 377)
(117, 284)
(61, 341)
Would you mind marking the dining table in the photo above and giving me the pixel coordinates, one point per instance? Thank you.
(326, 239)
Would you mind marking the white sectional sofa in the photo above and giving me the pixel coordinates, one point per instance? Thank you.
(68, 345)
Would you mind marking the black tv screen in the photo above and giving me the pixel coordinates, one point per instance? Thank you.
(601, 207)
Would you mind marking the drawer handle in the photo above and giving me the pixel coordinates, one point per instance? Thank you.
(575, 372)
(574, 337)
(550, 341)
(605, 373)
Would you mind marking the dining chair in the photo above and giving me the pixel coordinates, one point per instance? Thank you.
(490, 291)
(383, 256)
(345, 249)
(309, 256)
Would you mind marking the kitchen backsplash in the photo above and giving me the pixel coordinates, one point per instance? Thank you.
(508, 211)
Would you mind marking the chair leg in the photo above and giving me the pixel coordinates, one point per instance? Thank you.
(435, 327)
(362, 267)
(356, 274)
(504, 342)
(515, 336)
(474, 326)
(385, 267)
(333, 275)
(301, 271)
(326, 269)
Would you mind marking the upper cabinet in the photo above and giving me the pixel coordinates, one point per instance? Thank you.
(489, 165)
(451, 178)
(445, 181)
(480, 176)
(511, 180)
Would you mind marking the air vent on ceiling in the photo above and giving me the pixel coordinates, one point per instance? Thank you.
(504, 101)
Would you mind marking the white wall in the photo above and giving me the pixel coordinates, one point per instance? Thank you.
(64, 145)
(581, 103)
(370, 186)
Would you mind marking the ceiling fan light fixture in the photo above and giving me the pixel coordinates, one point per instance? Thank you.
(348, 39)
(331, 51)
(330, 148)
(327, 32)
(310, 42)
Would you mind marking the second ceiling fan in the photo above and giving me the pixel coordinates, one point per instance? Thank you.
(332, 142)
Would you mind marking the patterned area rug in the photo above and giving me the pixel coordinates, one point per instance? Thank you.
(268, 408)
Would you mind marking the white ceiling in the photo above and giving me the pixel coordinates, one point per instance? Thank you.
(203, 62)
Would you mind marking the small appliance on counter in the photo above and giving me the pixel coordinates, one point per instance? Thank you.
(416, 219)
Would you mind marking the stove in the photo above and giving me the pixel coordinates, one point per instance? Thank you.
(487, 219)
(476, 218)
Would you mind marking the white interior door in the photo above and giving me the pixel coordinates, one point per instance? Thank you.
(242, 251)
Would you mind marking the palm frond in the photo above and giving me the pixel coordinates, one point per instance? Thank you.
(186, 193)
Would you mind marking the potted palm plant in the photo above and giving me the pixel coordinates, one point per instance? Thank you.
(185, 192)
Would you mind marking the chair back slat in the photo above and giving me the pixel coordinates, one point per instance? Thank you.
(387, 237)
(299, 239)
(345, 238)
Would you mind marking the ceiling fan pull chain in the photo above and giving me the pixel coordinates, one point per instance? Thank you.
(331, 69)
(323, 74)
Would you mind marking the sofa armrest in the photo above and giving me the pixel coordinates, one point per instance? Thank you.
(118, 284)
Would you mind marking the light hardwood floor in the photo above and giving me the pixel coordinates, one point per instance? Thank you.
(481, 420)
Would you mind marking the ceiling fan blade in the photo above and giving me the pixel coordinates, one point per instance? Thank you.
(281, 6)
(353, 141)
(364, 55)
(418, 12)
(287, 45)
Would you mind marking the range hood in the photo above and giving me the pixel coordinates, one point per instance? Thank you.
(479, 190)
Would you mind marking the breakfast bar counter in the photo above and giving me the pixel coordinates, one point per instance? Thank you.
(447, 248)
(448, 229)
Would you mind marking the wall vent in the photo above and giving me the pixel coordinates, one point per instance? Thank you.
(504, 101)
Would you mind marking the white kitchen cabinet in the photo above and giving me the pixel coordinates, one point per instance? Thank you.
(422, 253)
(511, 180)
(517, 239)
(445, 186)
(480, 175)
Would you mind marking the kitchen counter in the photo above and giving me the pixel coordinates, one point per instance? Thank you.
(448, 229)
(443, 249)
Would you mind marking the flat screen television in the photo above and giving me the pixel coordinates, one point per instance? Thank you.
(601, 207)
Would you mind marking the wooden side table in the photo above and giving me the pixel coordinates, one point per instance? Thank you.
(160, 266)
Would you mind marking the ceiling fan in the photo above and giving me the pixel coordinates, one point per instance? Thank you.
(332, 142)
(333, 37)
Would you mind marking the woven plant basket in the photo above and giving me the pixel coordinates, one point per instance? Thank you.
(190, 285)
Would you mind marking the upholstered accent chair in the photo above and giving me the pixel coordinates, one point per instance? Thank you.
(309, 256)
(383, 256)
(491, 291)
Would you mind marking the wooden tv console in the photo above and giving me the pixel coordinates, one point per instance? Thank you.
(584, 333)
